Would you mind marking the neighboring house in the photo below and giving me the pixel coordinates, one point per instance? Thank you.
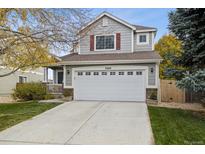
(8, 83)
(113, 61)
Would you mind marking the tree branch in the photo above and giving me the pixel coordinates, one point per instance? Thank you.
(9, 73)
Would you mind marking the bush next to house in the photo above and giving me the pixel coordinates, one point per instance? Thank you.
(31, 91)
(68, 92)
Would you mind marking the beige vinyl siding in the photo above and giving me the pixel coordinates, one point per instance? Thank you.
(69, 76)
(8, 83)
(112, 28)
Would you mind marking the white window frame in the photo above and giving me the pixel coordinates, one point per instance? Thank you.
(105, 49)
(142, 43)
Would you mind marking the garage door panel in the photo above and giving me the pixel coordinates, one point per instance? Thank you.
(109, 87)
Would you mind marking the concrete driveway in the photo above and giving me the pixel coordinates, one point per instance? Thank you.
(85, 122)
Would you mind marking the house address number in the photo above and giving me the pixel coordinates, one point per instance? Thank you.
(108, 68)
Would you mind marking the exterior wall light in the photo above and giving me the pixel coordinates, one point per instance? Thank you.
(152, 70)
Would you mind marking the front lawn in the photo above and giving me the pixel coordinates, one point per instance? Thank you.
(176, 126)
(11, 114)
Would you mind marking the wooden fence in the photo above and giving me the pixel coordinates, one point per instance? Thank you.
(192, 97)
(170, 93)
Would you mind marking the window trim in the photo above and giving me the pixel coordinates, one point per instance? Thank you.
(88, 73)
(104, 73)
(130, 73)
(80, 73)
(142, 43)
(105, 49)
(96, 73)
(138, 72)
(121, 73)
(112, 73)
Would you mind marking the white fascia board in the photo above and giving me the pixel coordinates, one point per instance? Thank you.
(153, 36)
(109, 62)
(147, 30)
(112, 17)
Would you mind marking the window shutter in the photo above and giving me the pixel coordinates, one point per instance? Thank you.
(118, 41)
(91, 42)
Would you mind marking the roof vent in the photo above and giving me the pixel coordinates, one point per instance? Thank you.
(105, 22)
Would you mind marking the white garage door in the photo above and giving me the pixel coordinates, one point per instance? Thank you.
(110, 85)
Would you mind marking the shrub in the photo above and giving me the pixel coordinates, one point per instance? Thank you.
(68, 92)
(203, 102)
(153, 96)
(30, 91)
(49, 96)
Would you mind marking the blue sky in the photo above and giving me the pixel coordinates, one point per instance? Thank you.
(157, 18)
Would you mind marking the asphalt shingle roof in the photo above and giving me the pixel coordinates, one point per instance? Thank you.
(111, 56)
(139, 27)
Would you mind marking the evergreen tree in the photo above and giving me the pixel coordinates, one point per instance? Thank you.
(188, 25)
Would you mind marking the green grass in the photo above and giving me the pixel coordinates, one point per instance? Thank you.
(176, 126)
(11, 114)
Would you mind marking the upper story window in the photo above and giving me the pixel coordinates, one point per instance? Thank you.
(105, 42)
(143, 38)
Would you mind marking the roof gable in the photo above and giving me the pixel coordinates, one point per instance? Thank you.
(137, 28)
(113, 18)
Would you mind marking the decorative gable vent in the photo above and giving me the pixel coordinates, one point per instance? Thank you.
(105, 22)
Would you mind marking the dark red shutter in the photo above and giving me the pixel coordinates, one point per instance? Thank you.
(118, 41)
(91, 42)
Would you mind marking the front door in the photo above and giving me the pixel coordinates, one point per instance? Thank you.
(60, 77)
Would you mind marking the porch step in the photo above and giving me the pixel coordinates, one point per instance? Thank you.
(58, 95)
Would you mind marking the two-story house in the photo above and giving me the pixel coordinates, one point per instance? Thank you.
(113, 61)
